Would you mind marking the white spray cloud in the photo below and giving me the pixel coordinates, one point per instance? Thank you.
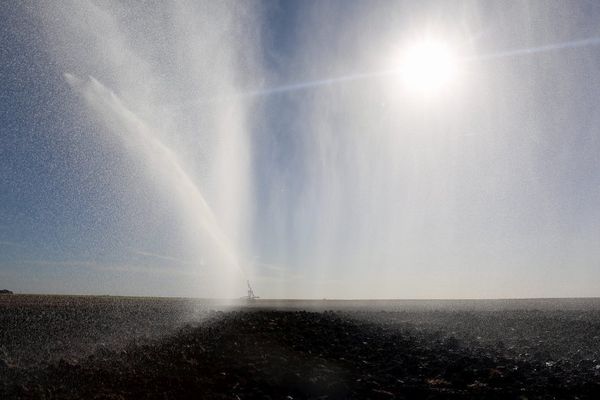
(198, 156)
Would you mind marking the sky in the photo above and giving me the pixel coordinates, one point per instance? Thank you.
(181, 148)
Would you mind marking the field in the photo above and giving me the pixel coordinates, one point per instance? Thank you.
(110, 347)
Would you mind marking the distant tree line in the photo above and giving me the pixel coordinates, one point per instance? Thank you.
(4, 291)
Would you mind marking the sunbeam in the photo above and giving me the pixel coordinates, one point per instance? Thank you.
(408, 70)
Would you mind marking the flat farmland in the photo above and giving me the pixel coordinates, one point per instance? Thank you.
(110, 347)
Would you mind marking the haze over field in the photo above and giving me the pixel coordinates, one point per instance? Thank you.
(339, 149)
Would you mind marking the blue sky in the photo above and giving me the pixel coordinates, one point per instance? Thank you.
(355, 188)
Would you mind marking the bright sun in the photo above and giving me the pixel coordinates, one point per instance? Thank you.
(428, 67)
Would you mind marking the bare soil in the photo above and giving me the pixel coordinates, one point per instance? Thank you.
(258, 353)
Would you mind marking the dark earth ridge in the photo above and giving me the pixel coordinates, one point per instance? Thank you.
(258, 353)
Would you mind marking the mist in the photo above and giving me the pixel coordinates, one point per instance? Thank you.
(274, 142)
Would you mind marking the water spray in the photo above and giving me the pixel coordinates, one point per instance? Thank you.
(251, 295)
(135, 133)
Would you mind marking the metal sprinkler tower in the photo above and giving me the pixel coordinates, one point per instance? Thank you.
(251, 295)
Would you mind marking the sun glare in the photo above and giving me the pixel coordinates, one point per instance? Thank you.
(428, 67)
